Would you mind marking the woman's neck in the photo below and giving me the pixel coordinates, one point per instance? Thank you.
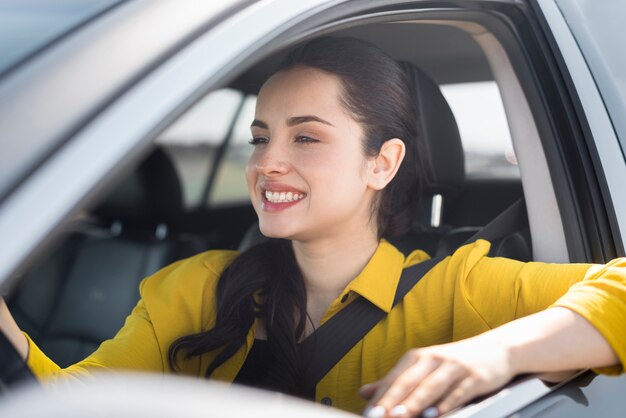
(328, 265)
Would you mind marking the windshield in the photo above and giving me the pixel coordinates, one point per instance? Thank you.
(29, 25)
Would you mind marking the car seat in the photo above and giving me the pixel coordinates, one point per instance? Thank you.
(442, 158)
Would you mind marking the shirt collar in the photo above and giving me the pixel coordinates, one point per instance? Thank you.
(378, 281)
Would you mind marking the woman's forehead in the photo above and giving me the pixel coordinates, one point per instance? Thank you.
(301, 73)
(301, 87)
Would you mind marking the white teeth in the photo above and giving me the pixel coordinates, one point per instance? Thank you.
(282, 197)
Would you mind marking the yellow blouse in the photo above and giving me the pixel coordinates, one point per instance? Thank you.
(464, 295)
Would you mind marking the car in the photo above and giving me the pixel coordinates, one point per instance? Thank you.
(123, 138)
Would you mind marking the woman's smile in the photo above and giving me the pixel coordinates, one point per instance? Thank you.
(276, 197)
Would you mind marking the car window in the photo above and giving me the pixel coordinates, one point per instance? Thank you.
(193, 141)
(230, 182)
(28, 25)
(484, 130)
(477, 107)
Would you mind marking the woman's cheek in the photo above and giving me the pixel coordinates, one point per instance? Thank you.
(251, 178)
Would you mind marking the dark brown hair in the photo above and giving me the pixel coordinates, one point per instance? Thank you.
(379, 95)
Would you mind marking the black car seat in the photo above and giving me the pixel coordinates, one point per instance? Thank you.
(79, 295)
(442, 158)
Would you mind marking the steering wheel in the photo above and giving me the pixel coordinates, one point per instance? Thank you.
(13, 368)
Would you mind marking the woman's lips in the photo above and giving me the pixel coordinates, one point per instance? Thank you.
(279, 198)
(275, 186)
(282, 197)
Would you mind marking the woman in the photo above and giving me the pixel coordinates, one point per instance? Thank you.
(334, 172)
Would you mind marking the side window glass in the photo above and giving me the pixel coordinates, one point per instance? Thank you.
(193, 141)
(484, 130)
(230, 182)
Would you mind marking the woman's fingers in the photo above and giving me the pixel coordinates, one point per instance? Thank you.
(373, 391)
(368, 391)
(420, 385)
(439, 379)
(465, 391)
(402, 380)
(428, 391)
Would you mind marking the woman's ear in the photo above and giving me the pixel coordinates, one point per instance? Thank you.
(386, 164)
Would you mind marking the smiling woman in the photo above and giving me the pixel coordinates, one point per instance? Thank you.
(334, 173)
(306, 131)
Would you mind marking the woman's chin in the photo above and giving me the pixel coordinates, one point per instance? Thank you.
(272, 234)
(275, 231)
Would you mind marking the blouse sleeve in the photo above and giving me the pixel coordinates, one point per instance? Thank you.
(176, 301)
(134, 347)
(601, 299)
(502, 290)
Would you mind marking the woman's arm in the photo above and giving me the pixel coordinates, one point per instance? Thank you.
(449, 375)
(12, 331)
(168, 307)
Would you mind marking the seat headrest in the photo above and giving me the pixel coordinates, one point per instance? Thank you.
(443, 158)
(150, 195)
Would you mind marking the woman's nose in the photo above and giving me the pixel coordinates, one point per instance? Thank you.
(272, 162)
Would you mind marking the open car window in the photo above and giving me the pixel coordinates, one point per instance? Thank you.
(484, 129)
(208, 147)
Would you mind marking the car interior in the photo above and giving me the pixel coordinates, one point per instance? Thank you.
(189, 194)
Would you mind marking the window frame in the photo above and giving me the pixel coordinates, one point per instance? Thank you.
(595, 137)
(298, 22)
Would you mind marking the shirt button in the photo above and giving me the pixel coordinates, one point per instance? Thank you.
(344, 298)
(327, 401)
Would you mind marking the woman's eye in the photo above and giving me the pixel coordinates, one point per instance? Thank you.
(306, 139)
(258, 140)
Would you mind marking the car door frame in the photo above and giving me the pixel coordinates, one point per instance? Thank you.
(120, 140)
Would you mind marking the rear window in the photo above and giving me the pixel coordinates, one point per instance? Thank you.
(484, 130)
(29, 25)
(218, 127)
(196, 140)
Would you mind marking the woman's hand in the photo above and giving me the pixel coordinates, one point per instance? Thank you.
(447, 376)
(443, 376)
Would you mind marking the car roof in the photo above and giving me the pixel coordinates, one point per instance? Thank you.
(439, 52)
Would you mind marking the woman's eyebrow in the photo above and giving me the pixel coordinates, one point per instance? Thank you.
(293, 121)
(296, 120)
(259, 124)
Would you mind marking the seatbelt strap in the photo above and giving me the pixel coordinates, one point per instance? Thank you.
(321, 350)
(512, 219)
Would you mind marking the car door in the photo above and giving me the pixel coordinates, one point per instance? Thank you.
(113, 124)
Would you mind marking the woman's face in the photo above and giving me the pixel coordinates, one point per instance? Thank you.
(308, 176)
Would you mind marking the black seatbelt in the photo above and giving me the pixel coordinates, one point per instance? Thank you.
(510, 220)
(321, 350)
